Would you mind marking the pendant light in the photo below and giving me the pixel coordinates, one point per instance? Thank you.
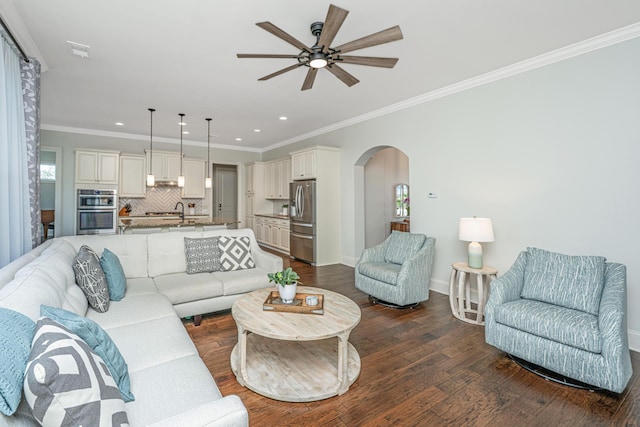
(181, 177)
(151, 179)
(207, 181)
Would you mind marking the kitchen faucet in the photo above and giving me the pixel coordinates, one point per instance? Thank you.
(182, 213)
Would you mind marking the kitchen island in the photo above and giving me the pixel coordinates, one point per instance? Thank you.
(146, 224)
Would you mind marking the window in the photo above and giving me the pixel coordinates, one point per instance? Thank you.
(402, 199)
(47, 172)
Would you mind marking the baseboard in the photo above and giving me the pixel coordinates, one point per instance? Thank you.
(634, 340)
(349, 261)
(439, 286)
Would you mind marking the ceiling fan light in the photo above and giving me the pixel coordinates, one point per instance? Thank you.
(317, 60)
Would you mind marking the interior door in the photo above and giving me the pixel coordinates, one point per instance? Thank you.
(225, 194)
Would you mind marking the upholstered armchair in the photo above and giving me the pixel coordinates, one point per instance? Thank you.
(398, 270)
(564, 313)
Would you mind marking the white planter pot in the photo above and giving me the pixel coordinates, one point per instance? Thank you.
(287, 292)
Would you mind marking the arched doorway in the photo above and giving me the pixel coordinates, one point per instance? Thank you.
(376, 174)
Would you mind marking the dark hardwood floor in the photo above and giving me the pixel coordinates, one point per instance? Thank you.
(420, 367)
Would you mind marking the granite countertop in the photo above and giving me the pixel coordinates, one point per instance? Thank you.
(267, 215)
(146, 222)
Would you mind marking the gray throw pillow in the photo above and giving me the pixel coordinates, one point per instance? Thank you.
(203, 255)
(91, 278)
(236, 253)
(66, 383)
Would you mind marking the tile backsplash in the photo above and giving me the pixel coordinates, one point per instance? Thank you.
(160, 199)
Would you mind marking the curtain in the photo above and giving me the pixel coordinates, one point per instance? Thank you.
(30, 76)
(16, 196)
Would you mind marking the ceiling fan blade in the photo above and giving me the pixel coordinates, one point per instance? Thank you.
(262, 55)
(268, 26)
(381, 37)
(340, 73)
(277, 73)
(371, 61)
(311, 76)
(332, 23)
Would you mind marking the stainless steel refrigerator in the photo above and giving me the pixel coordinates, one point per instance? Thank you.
(302, 238)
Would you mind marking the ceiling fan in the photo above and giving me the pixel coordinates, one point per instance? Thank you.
(322, 55)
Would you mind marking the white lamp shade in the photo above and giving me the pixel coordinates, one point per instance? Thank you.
(151, 180)
(207, 182)
(475, 230)
(181, 181)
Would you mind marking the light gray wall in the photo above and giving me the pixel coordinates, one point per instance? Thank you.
(550, 155)
(387, 168)
(70, 142)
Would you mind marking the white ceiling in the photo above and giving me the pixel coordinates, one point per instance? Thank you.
(180, 57)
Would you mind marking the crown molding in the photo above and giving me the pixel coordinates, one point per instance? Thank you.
(122, 135)
(14, 21)
(594, 43)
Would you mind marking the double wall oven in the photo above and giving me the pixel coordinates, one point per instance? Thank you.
(97, 212)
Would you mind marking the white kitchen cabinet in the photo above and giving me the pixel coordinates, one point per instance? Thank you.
(165, 165)
(97, 167)
(133, 176)
(303, 165)
(249, 178)
(277, 176)
(272, 232)
(194, 176)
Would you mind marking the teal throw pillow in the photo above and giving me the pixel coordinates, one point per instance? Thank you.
(99, 341)
(16, 334)
(116, 280)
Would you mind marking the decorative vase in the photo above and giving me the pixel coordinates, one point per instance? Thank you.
(287, 292)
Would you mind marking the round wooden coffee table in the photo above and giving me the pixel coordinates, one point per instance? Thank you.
(295, 357)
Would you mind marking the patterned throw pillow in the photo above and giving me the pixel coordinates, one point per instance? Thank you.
(16, 334)
(67, 384)
(99, 341)
(236, 253)
(203, 255)
(91, 279)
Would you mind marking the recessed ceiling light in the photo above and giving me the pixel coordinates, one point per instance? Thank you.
(257, 130)
(119, 124)
(283, 118)
(238, 139)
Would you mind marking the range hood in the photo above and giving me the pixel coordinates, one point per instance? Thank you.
(166, 183)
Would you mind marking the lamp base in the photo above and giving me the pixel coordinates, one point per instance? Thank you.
(475, 255)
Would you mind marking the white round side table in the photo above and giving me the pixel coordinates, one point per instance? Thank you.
(460, 291)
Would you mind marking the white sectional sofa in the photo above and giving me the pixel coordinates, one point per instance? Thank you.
(170, 382)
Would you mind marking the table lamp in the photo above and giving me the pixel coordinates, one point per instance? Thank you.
(475, 230)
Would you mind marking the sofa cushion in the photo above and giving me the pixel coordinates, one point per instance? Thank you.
(243, 281)
(113, 272)
(130, 249)
(166, 252)
(99, 341)
(236, 253)
(386, 272)
(401, 246)
(140, 286)
(91, 279)
(16, 334)
(133, 309)
(564, 325)
(66, 383)
(568, 281)
(202, 255)
(182, 287)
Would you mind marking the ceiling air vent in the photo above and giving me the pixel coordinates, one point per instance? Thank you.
(81, 50)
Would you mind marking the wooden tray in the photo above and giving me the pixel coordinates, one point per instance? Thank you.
(299, 304)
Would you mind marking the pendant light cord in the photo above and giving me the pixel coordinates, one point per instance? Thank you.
(151, 110)
(181, 124)
(208, 143)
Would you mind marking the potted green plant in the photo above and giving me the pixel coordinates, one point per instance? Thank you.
(285, 209)
(287, 283)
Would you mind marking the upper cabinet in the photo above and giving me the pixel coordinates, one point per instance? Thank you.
(97, 167)
(194, 176)
(276, 177)
(165, 165)
(249, 171)
(303, 165)
(133, 176)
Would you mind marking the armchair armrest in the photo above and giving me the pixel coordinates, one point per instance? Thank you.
(372, 254)
(227, 411)
(612, 320)
(508, 287)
